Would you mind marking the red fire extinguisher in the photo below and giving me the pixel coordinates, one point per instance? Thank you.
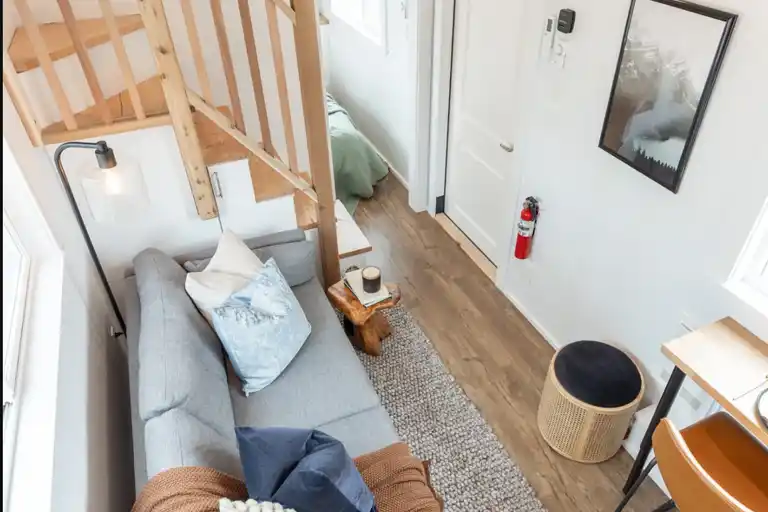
(525, 228)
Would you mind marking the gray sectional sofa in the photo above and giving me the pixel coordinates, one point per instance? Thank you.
(185, 398)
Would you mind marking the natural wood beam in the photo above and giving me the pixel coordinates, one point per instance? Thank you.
(41, 51)
(229, 67)
(122, 58)
(252, 145)
(282, 84)
(85, 61)
(255, 68)
(306, 36)
(287, 9)
(197, 49)
(159, 35)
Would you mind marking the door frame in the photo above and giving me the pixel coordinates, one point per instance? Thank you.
(432, 51)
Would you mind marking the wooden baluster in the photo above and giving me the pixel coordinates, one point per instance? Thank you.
(229, 68)
(197, 50)
(258, 87)
(19, 99)
(159, 35)
(85, 61)
(306, 36)
(44, 57)
(122, 58)
(287, 10)
(282, 84)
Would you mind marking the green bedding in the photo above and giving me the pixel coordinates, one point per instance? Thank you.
(357, 167)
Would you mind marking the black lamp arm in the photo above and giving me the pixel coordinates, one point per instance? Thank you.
(106, 160)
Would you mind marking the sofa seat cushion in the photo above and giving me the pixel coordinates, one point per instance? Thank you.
(178, 439)
(364, 432)
(324, 382)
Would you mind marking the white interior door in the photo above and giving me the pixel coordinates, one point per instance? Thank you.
(481, 186)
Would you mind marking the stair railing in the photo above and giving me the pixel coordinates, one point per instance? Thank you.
(182, 100)
(132, 116)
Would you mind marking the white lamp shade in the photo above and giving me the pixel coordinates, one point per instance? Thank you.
(114, 195)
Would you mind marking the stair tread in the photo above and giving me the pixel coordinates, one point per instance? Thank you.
(270, 185)
(93, 32)
(218, 146)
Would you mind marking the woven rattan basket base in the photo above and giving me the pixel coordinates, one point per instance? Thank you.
(577, 430)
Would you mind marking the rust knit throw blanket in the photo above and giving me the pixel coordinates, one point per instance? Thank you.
(399, 481)
(189, 489)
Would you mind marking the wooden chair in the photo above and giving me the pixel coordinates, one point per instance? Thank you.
(711, 466)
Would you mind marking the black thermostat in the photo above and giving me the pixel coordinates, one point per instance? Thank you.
(566, 20)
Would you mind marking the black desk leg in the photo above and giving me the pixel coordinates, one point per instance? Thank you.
(665, 403)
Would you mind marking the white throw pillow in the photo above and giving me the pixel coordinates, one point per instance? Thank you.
(226, 505)
(231, 268)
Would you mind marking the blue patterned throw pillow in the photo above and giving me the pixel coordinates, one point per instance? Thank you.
(262, 328)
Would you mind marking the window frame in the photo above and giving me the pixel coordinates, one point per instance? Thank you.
(12, 351)
(360, 25)
(749, 279)
(29, 424)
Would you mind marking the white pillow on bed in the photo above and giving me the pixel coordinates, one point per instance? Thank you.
(231, 268)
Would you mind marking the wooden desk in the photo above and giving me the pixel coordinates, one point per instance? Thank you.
(729, 363)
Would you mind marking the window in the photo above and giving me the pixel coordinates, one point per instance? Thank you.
(366, 16)
(749, 280)
(15, 275)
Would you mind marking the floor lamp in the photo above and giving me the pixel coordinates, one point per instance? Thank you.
(105, 158)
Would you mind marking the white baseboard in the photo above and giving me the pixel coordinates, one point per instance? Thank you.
(399, 177)
(554, 342)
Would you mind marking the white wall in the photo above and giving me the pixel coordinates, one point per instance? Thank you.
(92, 440)
(616, 257)
(374, 85)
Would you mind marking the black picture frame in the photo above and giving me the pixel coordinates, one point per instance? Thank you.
(665, 137)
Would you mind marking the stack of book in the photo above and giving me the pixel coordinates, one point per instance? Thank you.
(354, 281)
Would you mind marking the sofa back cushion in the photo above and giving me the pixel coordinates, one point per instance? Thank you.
(181, 363)
(294, 255)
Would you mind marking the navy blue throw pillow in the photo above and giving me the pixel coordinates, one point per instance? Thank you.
(302, 469)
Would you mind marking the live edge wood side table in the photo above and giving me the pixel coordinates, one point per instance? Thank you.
(365, 326)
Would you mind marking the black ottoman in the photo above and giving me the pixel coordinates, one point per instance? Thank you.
(591, 392)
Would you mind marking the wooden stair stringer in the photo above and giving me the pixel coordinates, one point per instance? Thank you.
(93, 32)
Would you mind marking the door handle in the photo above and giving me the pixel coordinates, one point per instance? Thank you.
(507, 146)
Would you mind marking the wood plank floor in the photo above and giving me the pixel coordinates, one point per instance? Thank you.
(495, 354)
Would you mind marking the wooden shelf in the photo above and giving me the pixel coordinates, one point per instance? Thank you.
(93, 32)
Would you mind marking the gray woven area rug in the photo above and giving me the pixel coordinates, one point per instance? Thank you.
(470, 468)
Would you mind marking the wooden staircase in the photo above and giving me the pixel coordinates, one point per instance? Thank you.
(92, 32)
(218, 147)
(207, 134)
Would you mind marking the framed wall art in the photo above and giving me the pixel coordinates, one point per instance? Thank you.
(670, 56)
